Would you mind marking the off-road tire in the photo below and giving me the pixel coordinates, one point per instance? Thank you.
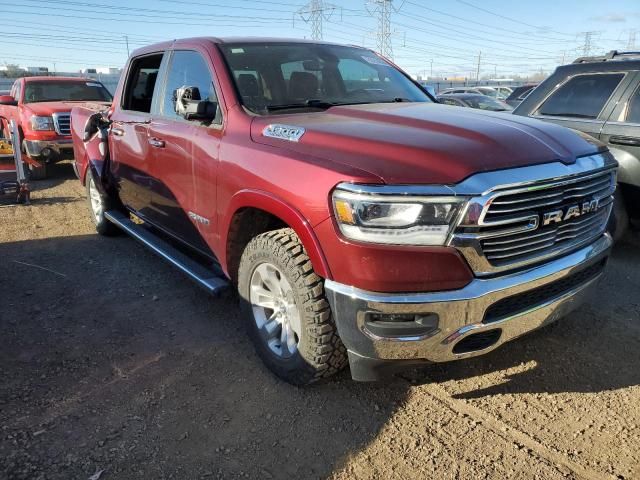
(320, 352)
(103, 226)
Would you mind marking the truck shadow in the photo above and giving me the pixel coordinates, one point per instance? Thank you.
(129, 367)
(123, 364)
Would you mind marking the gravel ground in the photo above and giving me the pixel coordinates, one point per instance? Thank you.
(113, 362)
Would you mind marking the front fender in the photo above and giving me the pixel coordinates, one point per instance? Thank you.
(629, 167)
(284, 211)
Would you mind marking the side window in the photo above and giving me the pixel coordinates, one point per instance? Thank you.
(141, 83)
(188, 69)
(449, 101)
(633, 113)
(584, 96)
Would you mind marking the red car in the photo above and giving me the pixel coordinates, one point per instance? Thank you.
(41, 106)
(360, 221)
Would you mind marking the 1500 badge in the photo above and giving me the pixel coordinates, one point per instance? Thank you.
(561, 215)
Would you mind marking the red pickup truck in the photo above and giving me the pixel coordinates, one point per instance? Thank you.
(360, 221)
(41, 107)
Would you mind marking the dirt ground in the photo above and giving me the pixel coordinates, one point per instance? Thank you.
(112, 361)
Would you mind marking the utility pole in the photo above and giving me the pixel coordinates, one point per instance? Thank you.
(382, 9)
(478, 69)
(126, 39)
(315, 12)
(431, 69)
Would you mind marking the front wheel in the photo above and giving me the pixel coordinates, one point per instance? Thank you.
(288, 317)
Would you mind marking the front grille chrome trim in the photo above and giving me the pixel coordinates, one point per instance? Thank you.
(62, 123)
(519, 208)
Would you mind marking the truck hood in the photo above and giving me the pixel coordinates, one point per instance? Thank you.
(47, 108)
(423, 143)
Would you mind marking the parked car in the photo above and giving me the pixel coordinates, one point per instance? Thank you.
(519, 94)
(473, 100)
(360, 221)
(599, 96)
(41, 107)
(494, 92)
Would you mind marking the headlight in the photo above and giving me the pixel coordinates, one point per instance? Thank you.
(41, 123)
(393, 219)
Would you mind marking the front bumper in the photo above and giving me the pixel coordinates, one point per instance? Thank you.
(49, 150)
(463, 313)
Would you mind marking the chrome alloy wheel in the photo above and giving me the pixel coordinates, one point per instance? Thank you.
(96, 200)
(274, 310)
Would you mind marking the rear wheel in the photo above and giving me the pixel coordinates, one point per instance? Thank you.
(288, 317)
(98, 204)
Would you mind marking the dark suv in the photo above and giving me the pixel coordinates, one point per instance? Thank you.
(599, 96)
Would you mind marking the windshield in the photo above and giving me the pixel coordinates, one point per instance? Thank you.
(43, 91)
(274, 77)
(487, 103)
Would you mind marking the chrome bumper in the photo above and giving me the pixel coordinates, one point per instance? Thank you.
(34, 148)
(461, 312)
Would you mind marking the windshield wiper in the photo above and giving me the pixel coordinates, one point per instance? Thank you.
(308, 104)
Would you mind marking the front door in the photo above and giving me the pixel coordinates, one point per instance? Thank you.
(129, 144)
(621, 133)
(185, 152)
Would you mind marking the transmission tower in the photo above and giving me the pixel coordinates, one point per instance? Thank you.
(315, 12)
(631, 44)
(588, 45)
(382, 9)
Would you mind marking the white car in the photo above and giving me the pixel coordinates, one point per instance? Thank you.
(495, 92)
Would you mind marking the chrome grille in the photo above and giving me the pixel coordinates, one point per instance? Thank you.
(522, 210)
(506, 229)
(62, 123)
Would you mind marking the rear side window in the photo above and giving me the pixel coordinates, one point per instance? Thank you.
(633, 114)
(141, 83)
(584, 96)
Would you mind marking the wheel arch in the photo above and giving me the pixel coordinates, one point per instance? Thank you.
(251, 212)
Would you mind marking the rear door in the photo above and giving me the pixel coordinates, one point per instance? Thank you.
(584, 101)
(185, 154)
(129, 139)
(621, 133)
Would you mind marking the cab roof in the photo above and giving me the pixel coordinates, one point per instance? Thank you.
(222, 40)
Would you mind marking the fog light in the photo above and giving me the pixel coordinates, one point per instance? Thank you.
(395, 325)
(46, 152)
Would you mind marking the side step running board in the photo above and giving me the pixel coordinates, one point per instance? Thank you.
(211, 281)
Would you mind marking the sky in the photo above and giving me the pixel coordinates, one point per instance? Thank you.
(445, 38)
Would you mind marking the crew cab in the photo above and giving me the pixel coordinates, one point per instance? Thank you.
(41, 107)
(360, 221)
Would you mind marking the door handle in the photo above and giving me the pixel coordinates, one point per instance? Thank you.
(156, 142)
(118, 132)
(620, 140)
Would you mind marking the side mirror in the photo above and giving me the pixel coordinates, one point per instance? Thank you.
(188, 104)
(8, 100)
